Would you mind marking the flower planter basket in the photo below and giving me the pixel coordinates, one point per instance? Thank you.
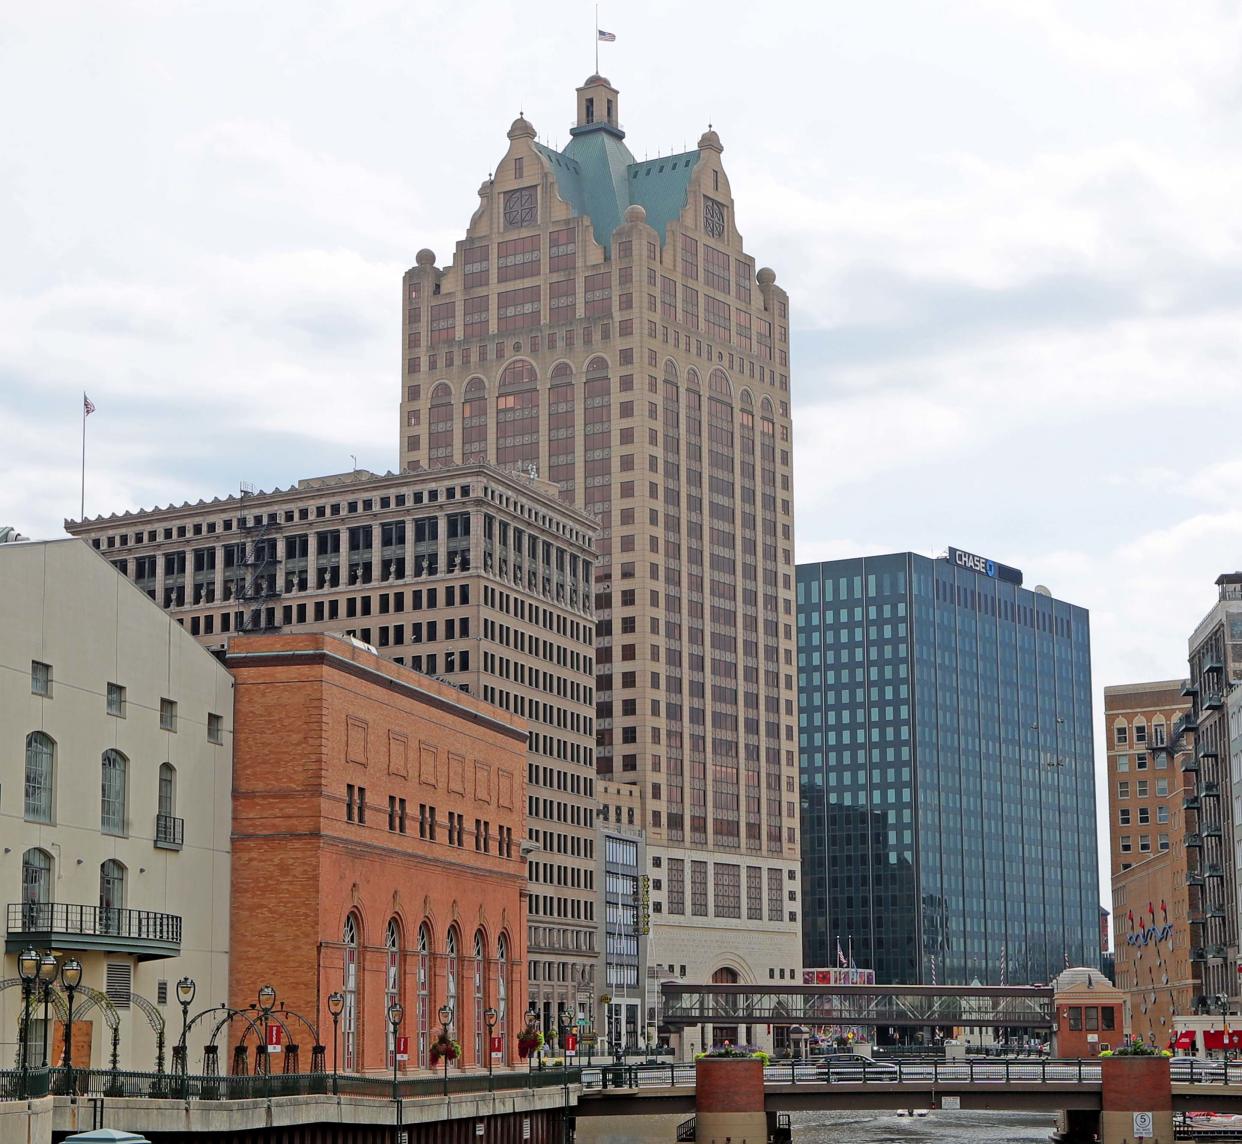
(444, 1050)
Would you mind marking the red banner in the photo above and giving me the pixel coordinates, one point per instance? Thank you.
(498, 1048)
(274, 1035)
(571, 1044)
(403, 1048)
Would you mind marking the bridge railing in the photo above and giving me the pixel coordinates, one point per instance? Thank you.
(16, 1084)
(911, 1071)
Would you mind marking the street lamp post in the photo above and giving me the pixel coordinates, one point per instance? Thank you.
(70, 978)
(396, 1011)
(532, 1015)
(562, 1027)
(49, 967)
(267, 1002)
(27, 970)
(186, 988)
(336, 1006)
(489, 1016)
(446, 1019)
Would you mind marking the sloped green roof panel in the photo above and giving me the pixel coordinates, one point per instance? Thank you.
(661, 187)
(598, 177)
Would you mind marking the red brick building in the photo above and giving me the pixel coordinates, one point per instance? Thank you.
(377, 825)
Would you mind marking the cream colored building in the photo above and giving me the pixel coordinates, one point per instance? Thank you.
(602, 324)
(115, 803)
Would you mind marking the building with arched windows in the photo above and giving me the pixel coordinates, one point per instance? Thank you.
(115, 787)
(388, 807)
(601, 324)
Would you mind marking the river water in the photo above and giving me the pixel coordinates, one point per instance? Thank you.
(886, 1127)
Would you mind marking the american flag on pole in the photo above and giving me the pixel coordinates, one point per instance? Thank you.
(841, 955)
(1004, 966)
(933, 969)
(1066, 953)
(607, 37)
(88, 406)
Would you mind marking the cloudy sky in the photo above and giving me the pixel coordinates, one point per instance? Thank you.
(1011, 232)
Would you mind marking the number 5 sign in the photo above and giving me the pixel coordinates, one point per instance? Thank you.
(1143, 1126)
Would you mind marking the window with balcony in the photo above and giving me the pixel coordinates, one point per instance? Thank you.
(36, 879)
(168, 827)
(111, 895)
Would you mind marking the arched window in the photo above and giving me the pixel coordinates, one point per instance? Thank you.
(725, 976)
(440, 426)
(563, 372)
(111, 895)
(474, 421)
(349, 1015)
(597, 367)
(518, 374)
(452, 969)
(502, 994)
(168, 790)
(392, 980)
(517, 416)
(718, 382)
(113, 792)
(40, 753)
(424, 994)
(37, 888)
(480, 994)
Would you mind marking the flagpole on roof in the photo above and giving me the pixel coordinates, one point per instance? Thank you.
(87, 410)
(597, 39)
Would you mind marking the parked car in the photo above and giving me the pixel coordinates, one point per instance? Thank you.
(854, 1068)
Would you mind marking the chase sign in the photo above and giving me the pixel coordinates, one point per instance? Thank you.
(984, 567)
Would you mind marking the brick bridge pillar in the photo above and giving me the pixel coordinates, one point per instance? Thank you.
(728, 1102)
(1133, 1087)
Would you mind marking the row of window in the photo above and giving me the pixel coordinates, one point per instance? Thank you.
(116, 702)
(1144, 843)
(356, 811)
(1125, 816)
(40, 786)
(1142, 787)
(1121, 732)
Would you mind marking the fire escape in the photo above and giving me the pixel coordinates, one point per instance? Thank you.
(260, 592)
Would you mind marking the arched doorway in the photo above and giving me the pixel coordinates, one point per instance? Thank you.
(725, 1008)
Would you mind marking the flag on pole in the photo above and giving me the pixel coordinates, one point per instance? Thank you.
(606, 37)
(1066, 954)
(88, 406)
(933, 969)
(840, 955)
(1004, 966)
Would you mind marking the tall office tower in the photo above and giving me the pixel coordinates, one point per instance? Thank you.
(1152, 805)
(479, 577)
(1202, 739)
(948, 794)
(602, 324)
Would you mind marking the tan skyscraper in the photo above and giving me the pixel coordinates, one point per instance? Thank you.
(601, 324)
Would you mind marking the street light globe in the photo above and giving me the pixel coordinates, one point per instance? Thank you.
(336, 1003)
(396, 1011)
(49, 967)
(71, 973)
(267, 998)
(489, 1015)
(28, 965)
(186, 988)
(446, 1014)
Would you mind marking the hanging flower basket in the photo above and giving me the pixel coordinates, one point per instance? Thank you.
(530, 1041)
(445, 1049)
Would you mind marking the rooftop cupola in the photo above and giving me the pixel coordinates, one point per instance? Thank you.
(598, 108)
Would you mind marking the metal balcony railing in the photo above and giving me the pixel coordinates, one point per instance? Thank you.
(51, 922)
(169, 831)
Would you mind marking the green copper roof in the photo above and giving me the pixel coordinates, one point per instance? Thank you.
(598, 177)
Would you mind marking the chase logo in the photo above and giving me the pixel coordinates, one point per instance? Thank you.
(983, 566)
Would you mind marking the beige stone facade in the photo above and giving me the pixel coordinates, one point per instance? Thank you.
(479, 577)
(115, 773)
(602, 324)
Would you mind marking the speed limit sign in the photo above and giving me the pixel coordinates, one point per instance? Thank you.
(1142, 1126)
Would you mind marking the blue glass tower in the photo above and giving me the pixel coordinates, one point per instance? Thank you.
(948, 800)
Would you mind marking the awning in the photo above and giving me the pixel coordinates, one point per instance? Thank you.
(1219, 1039)
(1184, 1040)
